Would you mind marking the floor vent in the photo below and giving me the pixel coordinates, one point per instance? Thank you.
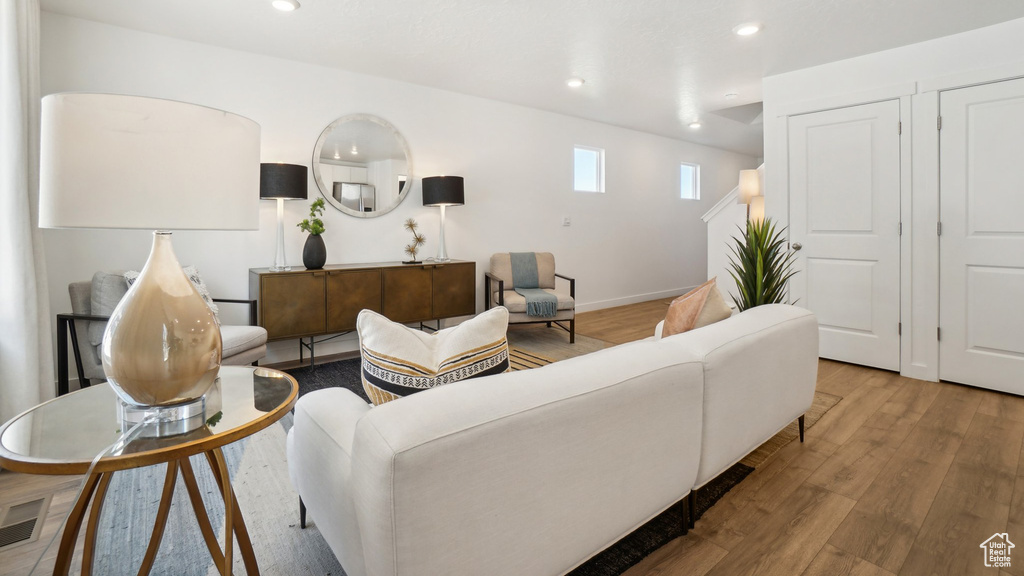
(21, 523)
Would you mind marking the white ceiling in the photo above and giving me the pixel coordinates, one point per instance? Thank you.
(651, 65)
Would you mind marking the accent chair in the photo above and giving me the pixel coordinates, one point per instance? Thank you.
(500, 290)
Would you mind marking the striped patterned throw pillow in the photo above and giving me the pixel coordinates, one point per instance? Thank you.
(399, 361)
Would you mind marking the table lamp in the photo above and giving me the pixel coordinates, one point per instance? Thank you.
(749, 187)
(128, 162)
(282, 182)
(443, 191)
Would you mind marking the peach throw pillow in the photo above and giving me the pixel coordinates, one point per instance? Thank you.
(701, 306)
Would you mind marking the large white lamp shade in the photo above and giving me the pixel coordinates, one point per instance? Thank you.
(115, 161)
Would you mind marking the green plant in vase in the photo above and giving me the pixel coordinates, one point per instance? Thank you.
(417, 240)
(314, 252)
(761, 264)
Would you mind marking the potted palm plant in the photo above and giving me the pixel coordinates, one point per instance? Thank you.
(314, 252)
(761, 265)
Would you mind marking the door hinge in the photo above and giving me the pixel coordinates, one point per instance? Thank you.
(938, 123)
(938, 228)
(899, 127)
(938, 333)
(899, 230)
(899, 329)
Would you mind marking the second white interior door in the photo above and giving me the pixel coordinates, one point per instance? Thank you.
(844, 177)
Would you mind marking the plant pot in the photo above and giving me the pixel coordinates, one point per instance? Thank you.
(314, 253)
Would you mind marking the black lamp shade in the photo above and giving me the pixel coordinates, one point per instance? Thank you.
(288, 181)
(444, 191)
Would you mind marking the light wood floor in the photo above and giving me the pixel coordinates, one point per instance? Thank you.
(901, 477)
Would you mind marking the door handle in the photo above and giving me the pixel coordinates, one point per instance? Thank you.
(797, 246)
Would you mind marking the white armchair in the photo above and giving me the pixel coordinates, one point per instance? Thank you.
(499, 290)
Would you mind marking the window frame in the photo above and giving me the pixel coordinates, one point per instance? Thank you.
(695, 181)
(599, 168)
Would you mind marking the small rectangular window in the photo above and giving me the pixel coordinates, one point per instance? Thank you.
(689, 181)
(588, 169)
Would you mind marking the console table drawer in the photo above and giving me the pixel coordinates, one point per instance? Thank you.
(408, 293)
(293, 305)
(348, 293)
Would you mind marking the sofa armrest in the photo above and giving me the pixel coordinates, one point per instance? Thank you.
(658, 330)
(251, 303)
(320, 467)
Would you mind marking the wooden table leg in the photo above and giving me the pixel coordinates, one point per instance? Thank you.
(221, 472)
(89, 550)
(73, 525)
(161, 519)
(189, 476)
(241, 532)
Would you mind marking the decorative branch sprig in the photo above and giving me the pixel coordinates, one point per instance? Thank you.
(417, 239)
(314, 225)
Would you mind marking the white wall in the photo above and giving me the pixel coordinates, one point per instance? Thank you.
(915, 75)
(636, 242)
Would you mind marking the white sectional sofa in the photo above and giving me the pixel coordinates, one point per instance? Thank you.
(534, 472)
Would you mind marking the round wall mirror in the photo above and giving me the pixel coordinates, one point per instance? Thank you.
(362, 165)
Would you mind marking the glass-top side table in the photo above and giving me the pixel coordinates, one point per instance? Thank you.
(64, 436)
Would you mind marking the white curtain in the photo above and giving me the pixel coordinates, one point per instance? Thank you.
(26, 358)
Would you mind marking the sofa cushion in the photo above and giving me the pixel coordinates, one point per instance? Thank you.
(699, 307)
(399, 361)
(107, 290)
(516, 303)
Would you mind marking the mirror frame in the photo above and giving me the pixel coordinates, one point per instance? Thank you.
(409, 178)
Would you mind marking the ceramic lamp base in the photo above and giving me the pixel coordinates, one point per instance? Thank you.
(162, 345)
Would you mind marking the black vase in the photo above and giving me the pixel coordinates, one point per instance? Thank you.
(314, 253)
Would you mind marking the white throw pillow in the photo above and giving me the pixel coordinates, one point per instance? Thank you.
(399, 361)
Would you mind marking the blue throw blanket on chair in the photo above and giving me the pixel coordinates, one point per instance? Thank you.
(539, 302)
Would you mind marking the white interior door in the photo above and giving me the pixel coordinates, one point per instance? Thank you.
(981, 286)
(844, 186)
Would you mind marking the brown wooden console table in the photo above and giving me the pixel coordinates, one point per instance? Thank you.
(309, 303)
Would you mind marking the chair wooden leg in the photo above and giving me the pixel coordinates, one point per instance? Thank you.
(800, 423)
(692, 506)
(302, 513)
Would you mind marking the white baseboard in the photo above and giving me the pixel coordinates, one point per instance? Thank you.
(602, 304)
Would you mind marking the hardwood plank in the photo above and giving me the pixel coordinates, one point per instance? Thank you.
(950, 539)
(856, 464)
(986, 463)
(787, 542)
(883, 526)
(689, 555)
(744, 509)
(874, 388)
(623, 324)
(1002, 405)
(832, 561)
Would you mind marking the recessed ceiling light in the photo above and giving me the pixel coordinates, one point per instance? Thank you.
(575, 82)
(336, 155)
(732, 96)
(747, 29)
(286, 5)
(694, 125)
(355, 151)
